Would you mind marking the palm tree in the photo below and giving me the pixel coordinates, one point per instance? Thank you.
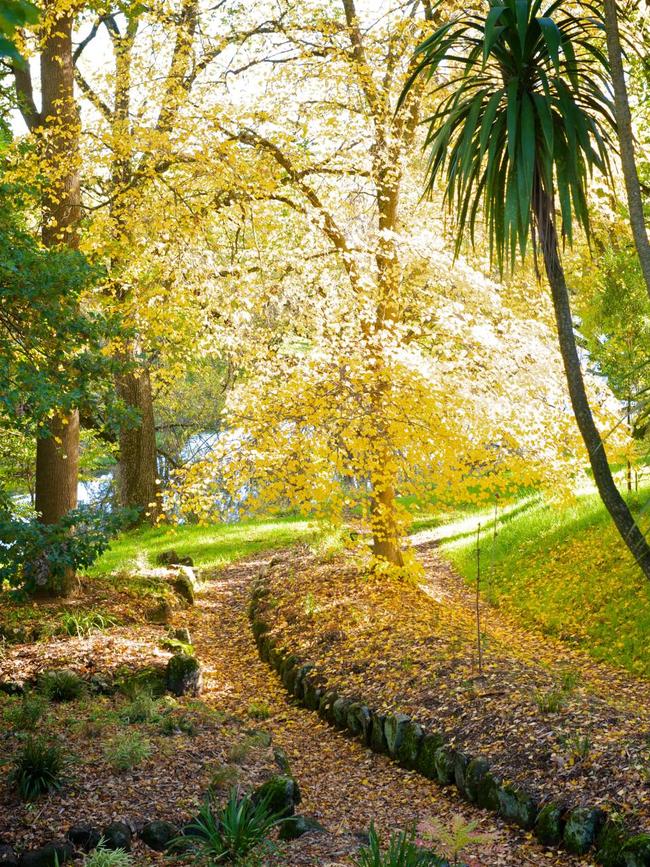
(522, 123)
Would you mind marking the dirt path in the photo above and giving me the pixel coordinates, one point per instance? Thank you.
(344, 785)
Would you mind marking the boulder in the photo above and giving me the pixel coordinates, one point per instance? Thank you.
(425, 761)
(517, 806)
(8, 857)
(184, 675)
(474, 775)
(301, 680)
(581, 828)
(461, 761)
(340, 712)
(312, 694)
(298, 826)
(158, 835)
(487, 792)
(84, 837)
(409, 747)
(50, 855)
(443, 759)
(281, 793)
(394, 729)
(636, 852)
(377, 738)
(359, 721)
(326, 705)
(117, 835)
(549, 825)
(182, 582)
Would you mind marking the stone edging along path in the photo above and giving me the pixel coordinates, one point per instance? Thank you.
(579, 829)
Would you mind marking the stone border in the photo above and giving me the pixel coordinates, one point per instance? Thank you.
(578, 830)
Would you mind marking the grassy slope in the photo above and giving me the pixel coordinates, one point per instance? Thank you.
(210, 547)
(564, 569)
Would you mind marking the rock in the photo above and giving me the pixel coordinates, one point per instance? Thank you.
(359, 721)
(312, 694)
(101, 685)
(275, 561)
(182, 634)
(377, 738)
(636, 852)
(609, 844)
(158, 835)
(258, 628)
(474, 775)
(461, 761)
(340, 712)
(117, 835)
(161, 614)
(517, 806)
(184, 675)
(394, 728)
(50, 855)
(282, 761)
(171, 558)
(8, 857)
(425, 761)
(409, 747)
(487, 792)
(298, 826)
(282, 795)
(581, 829)
(12, 687)
(549, 825)
(182, 583)
(326, 705)
(84, 837)
(301, 680)
(443, 759)
(289, 672)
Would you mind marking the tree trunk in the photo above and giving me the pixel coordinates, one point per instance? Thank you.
(57, 456)
(626, 140)
(138, 469)
(385, 536)
(609, 493)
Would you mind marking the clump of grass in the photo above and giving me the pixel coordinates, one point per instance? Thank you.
(38, 768)
(224, 777)
(175, 724)
(61, 685)
(103, 857)
(26, 713)
(127, 751)
(259, 710)
(239, 752)
(84, 623)
(143, 708)
(578, 747)
(550, 701)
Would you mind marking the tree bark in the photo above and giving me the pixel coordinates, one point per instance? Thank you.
(138, 467)
(609, 493)
(626, 140)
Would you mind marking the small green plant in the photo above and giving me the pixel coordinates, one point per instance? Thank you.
(310, 605)
(175, 724)
(83, 624)
(569, 680)
(550, 701)
(402, 851)
(224, 777)
(407, 664)
(143, 708)
(232, 833)
(259, 710)
(26, 713)
(103, 857)
(38, 768)
(61, 685)
(456, 839)
(577, 747)
(239, 752)
(127, 751)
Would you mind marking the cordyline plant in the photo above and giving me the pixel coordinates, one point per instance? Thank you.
(522, 124)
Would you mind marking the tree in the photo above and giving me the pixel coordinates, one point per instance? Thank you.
(526, 122)
(626, 139)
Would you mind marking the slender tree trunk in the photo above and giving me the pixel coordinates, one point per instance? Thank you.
(626, 140)
(138, 469)
(57, 456)
(609, 493)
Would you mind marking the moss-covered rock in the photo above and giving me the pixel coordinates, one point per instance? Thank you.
(473, 776)
(409, 748)
(298, 826)
(184, 675)
(461, 761)
(259, 627)
(377, 737)
(312, 694)
(394, 729)
(487, 792)
(549, 825)
(636, 852)
(183, 584)
(609, 844)
(50, 855)
(158, 835)
(340, 712)
(517, 806)
(326, 705)
(281, 794)
(443, 759)
(425, 761)
(359, 721)
(581, 828)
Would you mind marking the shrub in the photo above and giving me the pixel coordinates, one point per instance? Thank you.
(103, 857)
(38, 768)
(233, 832)
(25, 714)
(61, 685)
(127, 751)
(456, 839)
(84, 624)
(402, 851)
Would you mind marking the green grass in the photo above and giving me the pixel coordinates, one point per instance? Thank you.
(563, 569)
(210, 547)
